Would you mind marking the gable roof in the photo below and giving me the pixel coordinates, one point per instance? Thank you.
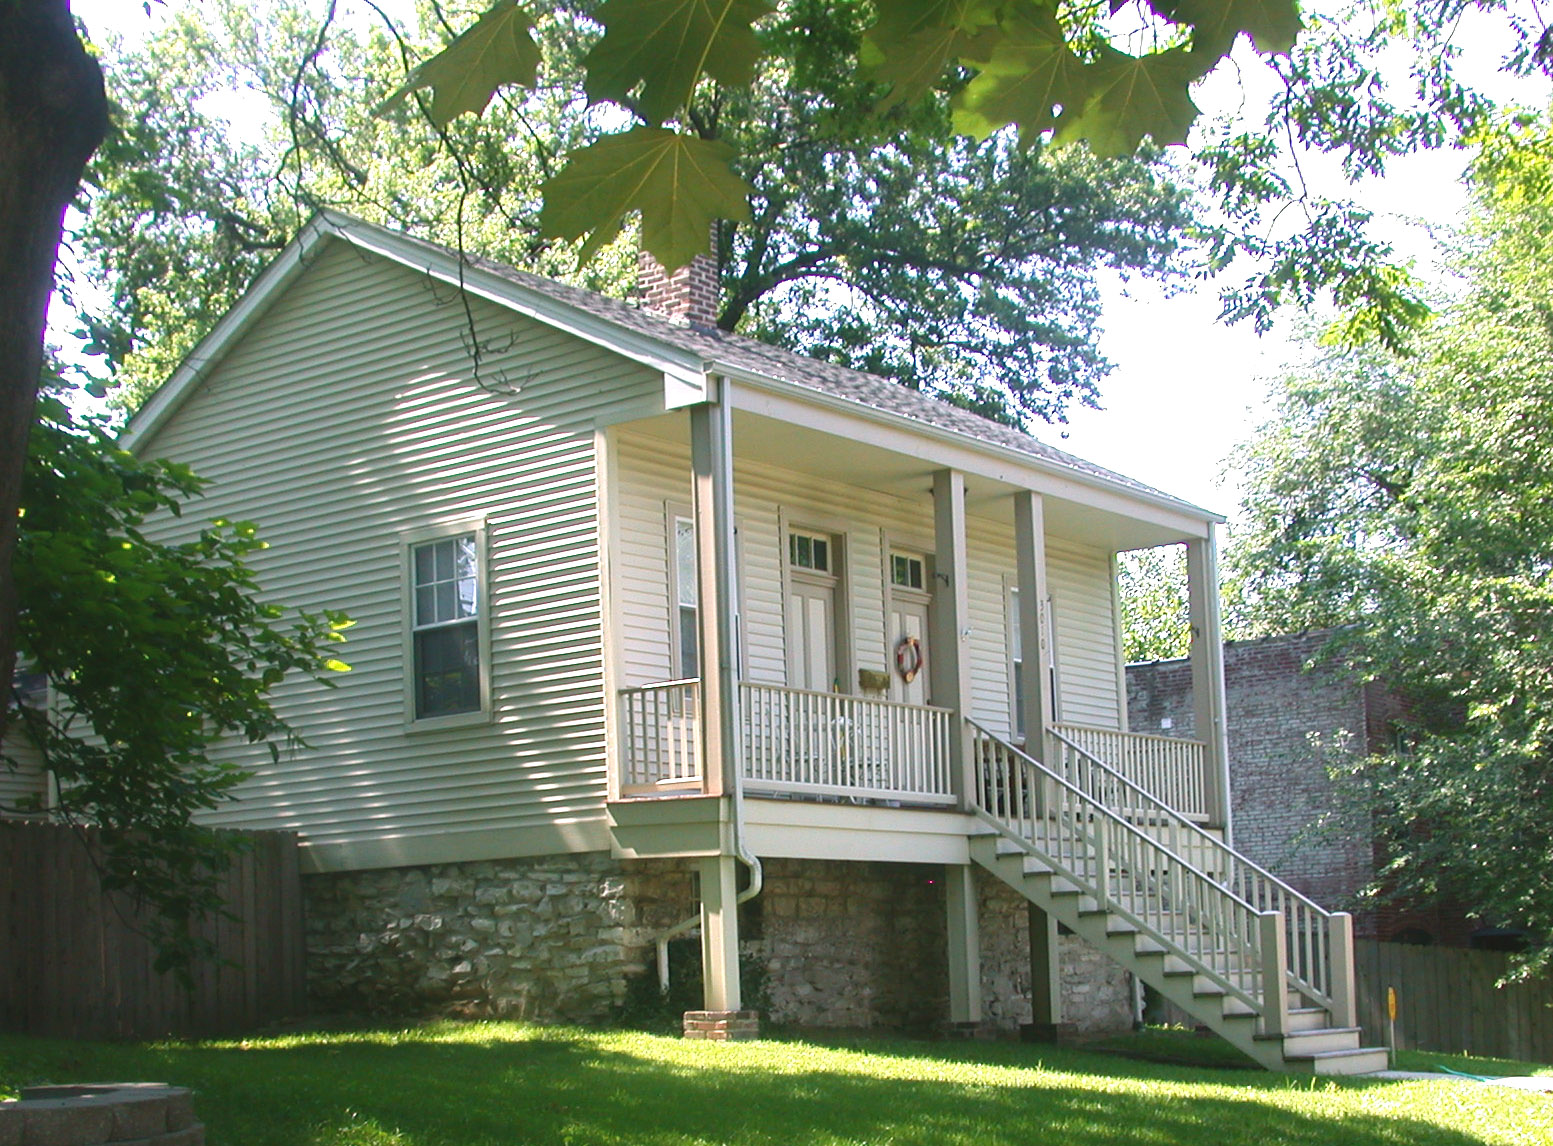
(679, 350)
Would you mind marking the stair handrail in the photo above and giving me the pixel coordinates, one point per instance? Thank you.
(1235, 960)
(1319, 941)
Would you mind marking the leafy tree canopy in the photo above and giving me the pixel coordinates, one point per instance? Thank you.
(890, 244)
(153, 652)
(1111, 74)
(1151, 590)
(1411, 501)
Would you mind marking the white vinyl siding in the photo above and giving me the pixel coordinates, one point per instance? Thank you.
(27, 783)
(1080, 583)
(347, 420)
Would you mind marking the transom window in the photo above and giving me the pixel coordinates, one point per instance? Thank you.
(808, 551)
(906, 571)
(445, 586)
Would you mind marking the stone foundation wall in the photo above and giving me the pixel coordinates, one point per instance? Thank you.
(556, 939)
(852, 944)
(1097, 994)
(547, 939)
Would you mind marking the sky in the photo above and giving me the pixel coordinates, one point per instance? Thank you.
(1186, 388)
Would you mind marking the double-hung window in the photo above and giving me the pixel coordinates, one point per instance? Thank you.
(446, 603)
(687, 632)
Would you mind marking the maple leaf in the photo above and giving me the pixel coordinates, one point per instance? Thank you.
(497, 49)
(912, 41)
(665, 45)
(1271, 24)
(1028, 71)
(1133, 96)
(679, 183)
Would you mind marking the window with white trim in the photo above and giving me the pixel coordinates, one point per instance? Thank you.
(1016, 689)
(445, 605)
(907, 571)
(687, 632)
(809, 551)
(1016, 664)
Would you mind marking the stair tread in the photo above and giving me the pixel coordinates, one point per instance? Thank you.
(1308, 1056)
(1313, 1031)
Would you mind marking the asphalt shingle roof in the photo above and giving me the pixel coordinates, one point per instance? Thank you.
(737, 352)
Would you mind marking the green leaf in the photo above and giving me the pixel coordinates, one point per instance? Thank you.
(1133, 96)
(679, 183)
(1271, 24)
(665, 45)
(498, 49)
(1029, 70)
(913, 41)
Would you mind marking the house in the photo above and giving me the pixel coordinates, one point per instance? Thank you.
(659, 629)
(1293, 714)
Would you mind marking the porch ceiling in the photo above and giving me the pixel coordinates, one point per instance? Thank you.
(1089, 517)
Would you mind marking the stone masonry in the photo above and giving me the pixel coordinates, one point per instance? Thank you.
(128, 1113)
(555, 939)
(548, 939)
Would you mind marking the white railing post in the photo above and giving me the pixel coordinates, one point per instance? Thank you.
(1345, 1010)
(1275, 979)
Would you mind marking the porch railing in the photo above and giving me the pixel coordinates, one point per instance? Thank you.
(825, 743)
(793, 741)
(659, 734)
(1318, 942)
(1171, 769)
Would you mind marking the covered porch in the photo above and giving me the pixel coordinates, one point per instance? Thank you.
(815, 616)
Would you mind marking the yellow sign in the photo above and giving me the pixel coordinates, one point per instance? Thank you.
(1391, 1003)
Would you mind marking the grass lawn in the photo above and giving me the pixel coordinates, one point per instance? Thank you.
(499, 1083)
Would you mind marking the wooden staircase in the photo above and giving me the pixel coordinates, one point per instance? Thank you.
(1227, 942)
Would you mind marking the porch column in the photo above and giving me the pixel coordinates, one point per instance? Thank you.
(1035, 652)
(964, 944)
(1045, 976)
(719, 933)
(948, 659)
(711, 457)
(1207, 663)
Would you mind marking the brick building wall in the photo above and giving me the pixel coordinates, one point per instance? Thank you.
(1290, 718)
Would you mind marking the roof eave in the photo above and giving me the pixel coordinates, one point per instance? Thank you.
(944, 434)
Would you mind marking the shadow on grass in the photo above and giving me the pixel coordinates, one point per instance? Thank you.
(583, 1088)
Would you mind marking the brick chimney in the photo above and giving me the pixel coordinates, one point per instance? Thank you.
(688, 296)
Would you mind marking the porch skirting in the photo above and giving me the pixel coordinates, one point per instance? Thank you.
(558, 938)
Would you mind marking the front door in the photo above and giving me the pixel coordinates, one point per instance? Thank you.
(908, 628)
(813, 578)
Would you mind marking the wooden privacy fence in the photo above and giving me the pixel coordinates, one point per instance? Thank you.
(1447, 1001)
(74, 965)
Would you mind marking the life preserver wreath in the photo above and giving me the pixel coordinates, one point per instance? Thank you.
(909, 659)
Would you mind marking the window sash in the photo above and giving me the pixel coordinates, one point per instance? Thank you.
(445, 637)
(687, 630)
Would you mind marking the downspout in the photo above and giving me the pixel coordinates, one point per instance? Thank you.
(721, 436)
(733, 742)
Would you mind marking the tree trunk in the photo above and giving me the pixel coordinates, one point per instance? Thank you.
(53, 113)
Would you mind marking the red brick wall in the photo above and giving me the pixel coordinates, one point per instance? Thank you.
(1287, 726)
(688, 295)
